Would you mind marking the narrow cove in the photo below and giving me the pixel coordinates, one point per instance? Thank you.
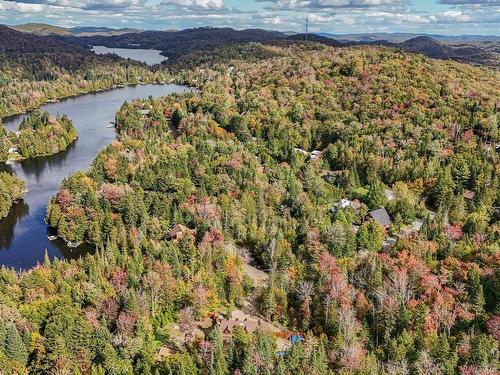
(23, 233)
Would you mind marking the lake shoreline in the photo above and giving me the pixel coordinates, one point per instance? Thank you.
(23, 233)
(73, 96)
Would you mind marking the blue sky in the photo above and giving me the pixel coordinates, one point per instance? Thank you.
(450, 17)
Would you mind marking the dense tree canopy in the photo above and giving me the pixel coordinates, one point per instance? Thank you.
(11, 189)
(239, 173)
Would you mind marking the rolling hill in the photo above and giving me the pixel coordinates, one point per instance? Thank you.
(43, 29)
(177, 43)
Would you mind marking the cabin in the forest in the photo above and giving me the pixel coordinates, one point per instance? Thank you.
(163, 353)
(178, 232)
(315, 155)
(380, 216)
(227, 327)
(469, 195)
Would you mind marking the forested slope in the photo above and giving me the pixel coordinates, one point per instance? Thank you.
(36, 69)
(241, 173)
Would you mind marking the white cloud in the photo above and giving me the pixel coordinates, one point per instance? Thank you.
(20, 7)
(338, 16)
(323, 4)
(196, 4)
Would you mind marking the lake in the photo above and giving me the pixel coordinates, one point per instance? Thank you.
(148, 56)
(23, 236)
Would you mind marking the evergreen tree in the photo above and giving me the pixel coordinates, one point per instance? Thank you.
(219, 364)
(376, 197)
(476, 295)
(14, 346)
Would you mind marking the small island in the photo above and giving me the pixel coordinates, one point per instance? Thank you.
(41, 134)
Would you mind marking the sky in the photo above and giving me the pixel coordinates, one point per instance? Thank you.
(449, 17)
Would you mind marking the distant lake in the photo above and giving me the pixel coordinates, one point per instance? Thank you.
(148, 56)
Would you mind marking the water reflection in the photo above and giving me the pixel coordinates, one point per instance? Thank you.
(7, 225)
(37, 167)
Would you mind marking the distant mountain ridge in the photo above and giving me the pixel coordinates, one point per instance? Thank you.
(43, 29)
(475, 53)
(43, 53)
(401, 37)
(15, 43)
(476, 50)
(176, 43)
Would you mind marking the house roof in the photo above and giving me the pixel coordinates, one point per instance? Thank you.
(356, 204)
(389, 194)
(163, 353)
(178, 230)
(228, 326)
(469, 194)
(381, 216)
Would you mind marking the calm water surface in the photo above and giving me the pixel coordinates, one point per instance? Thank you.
(148, 56)
(23, 234)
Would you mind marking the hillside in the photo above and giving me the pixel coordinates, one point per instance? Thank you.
(101, 31)
(474, 53)
(176, 43)
(34, 69)
(282, 161)
(15, 44)
(401, 37)
(43, 29)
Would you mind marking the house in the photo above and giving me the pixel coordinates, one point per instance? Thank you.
(414, 228)
(388, 243)
(227, 327)
(389, 194)
(469, 195)
(315, 155)
(380, 216)
(332, 177)
(344, 203)
(356, 204)
(163, 353)
(301, 151)
(178, 232)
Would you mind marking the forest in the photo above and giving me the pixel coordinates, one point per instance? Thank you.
(39, 134)
(11, 190)
(35, 70)
(42, 134)
(282, 162)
